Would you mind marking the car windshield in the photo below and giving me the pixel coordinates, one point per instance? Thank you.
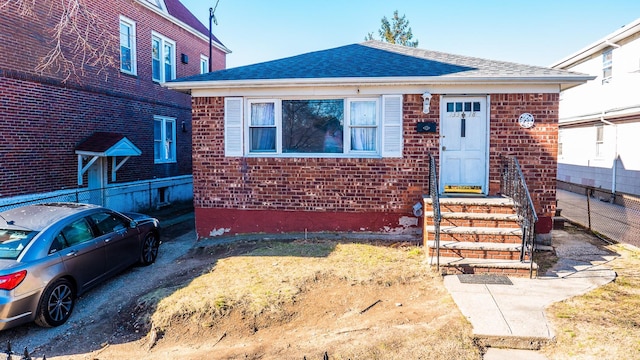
(12, 242)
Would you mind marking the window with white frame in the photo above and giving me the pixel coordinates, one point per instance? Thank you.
(127, 46)
(204, 64)
(599, 140)
(348, 127)
(163, 58)
(164, 139)
(607, 66)
(157, 3)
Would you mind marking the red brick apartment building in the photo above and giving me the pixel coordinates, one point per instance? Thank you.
(93, 126)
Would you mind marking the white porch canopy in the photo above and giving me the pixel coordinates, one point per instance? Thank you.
(104, 144)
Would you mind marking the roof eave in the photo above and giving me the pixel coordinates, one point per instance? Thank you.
(185, 26)
(570, 81)
(597, 46)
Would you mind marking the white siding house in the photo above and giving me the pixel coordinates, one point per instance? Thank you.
(599, 122)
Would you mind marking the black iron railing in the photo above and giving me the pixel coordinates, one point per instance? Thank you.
(513, 185)
(435, 204)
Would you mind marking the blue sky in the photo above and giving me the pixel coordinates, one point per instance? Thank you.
(534, 32)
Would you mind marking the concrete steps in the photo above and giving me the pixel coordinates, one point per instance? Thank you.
(477, 235)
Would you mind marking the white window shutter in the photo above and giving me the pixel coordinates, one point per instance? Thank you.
(233, 128)
(392, 140)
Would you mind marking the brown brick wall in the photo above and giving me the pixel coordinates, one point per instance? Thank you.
(372, 186)
(42, 119)
(536, 148)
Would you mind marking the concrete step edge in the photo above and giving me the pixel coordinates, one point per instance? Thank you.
(467, 245)
(475, 230)
(475, 216)
(483, 263)
(478, 201)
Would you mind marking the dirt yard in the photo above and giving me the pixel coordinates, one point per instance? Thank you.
(332, 316)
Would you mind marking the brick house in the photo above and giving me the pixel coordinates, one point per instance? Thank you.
(338, 140)
(99, 128)
(599, 122)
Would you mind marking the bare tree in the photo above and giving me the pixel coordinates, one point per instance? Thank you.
(79, 39)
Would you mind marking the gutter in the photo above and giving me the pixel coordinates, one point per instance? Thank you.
(609, 40)
(377, 81)
(598, 116)
(183, 25)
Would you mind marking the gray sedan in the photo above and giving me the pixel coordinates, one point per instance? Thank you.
(52, 253)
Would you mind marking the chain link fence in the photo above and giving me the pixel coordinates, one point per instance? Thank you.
(137, 196)
(614, 217)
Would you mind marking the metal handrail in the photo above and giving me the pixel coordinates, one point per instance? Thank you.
(513, 185)
(435, 204)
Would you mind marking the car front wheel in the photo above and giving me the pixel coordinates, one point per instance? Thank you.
(149, 249)
(56, 304)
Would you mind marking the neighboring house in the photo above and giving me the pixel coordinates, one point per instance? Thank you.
(98, 130)
(338, 140)
(600, 121)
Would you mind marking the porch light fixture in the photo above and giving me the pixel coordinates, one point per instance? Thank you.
(184, 127)
(426, 97)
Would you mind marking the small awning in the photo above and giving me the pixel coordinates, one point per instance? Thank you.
(104, 144)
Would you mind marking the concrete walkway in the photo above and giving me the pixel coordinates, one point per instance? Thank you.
(513, 316)
(616, 222)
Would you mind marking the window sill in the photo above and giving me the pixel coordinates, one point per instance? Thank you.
(314, 156)
(128, 74)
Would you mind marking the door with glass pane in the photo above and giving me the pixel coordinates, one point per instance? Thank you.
(463, 145)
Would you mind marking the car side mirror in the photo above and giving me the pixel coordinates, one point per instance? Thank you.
(133, 224)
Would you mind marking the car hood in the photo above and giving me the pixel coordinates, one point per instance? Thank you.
(141, 218)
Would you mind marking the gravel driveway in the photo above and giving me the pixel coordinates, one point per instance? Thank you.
(93, 323)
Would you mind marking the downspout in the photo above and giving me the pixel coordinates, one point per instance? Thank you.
(615, 145)
(615, 157)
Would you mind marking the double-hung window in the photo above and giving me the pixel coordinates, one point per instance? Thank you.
(599, 141)
(204, 64)
(127, 46)
(607, 66)
(262, 126)
(363, 125)
(163, 58)
(332, 127)
(164, 139)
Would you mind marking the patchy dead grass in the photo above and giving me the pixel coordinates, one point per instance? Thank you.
(290, 278)
(274, 274)
(604, 323)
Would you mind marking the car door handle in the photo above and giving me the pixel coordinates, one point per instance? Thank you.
(107, 240)
(72, 253)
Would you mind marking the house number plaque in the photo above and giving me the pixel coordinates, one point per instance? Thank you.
(526, 120)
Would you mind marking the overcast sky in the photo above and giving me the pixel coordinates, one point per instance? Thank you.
(537, 32)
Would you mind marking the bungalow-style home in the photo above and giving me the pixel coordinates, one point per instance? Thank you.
(340, 140)
(110, 135)
(600, 121)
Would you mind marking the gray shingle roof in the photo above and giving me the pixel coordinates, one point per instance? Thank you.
(376, 59)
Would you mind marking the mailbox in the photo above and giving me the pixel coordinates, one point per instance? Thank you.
(428, 127)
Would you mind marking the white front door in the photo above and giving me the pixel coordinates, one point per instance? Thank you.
(96, 180)
(463, 145)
